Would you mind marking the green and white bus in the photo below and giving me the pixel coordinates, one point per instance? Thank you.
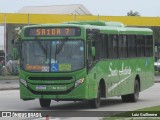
(85, 60)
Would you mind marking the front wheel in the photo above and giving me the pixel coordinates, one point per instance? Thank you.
(45, 102)
(95, 103)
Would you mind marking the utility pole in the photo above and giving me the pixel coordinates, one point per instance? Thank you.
(5, 51)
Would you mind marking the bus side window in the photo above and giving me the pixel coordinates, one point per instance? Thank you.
(112, 46)
(103, 49)
(131, 46)
(140, 42)
(149, 46)
(122, 43)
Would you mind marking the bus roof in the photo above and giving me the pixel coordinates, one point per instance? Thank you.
(112, 27)
(104, 27)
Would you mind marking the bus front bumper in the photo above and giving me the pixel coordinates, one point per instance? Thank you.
(73, 93)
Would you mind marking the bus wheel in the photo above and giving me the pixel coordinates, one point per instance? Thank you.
(134, 96)
(125, 98)
(95, 103)
(45, 102)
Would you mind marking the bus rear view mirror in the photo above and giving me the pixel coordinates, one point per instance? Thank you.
(93, 52)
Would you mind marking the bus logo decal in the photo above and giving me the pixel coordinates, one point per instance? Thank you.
(41, 87)
(45, 68)
(113, 72)
(125, 70)
(54, 67)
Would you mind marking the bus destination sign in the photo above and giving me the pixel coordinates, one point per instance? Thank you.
(52, 32)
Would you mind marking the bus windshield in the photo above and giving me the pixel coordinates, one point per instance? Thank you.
(52, 56)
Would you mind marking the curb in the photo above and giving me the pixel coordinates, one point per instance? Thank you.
(2, 89)
(157, 82)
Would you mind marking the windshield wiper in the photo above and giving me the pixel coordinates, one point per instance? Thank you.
(43, 48)
(59, 48)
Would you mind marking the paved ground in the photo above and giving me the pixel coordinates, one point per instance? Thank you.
(14, 84)
(9, 84)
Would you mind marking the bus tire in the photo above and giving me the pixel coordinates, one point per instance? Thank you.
(45, 102)
(134, 96)
(125, 98)
(95, 103)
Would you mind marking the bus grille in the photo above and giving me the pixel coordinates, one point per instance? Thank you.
(50, 78)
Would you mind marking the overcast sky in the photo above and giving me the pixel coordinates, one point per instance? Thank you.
(101, 7)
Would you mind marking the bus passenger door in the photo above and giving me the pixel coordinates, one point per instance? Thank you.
(91, 36)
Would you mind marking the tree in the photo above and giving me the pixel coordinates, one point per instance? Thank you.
(131, 13)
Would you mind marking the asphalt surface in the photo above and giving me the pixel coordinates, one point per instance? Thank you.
(11, 101)
(14, 84)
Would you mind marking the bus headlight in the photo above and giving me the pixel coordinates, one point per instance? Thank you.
(78, 82)
(23, 82)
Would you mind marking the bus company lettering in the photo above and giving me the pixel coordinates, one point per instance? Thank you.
(113, 72)
(125, 70)
(33, 67)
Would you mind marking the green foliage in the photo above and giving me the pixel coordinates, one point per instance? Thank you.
(16, 32)
(155, 108)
